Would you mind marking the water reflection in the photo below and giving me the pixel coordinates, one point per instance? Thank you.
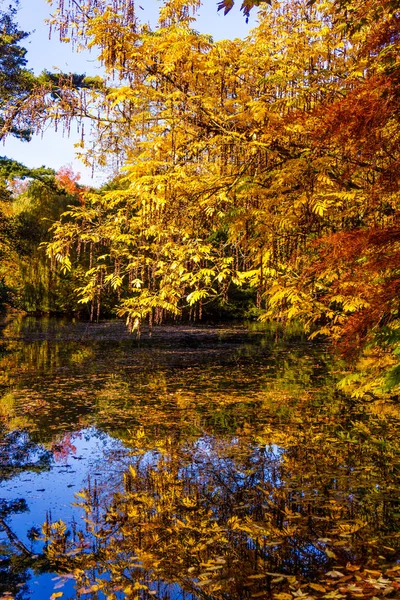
(209, 458)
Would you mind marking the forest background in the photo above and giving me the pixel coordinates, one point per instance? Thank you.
(254, 178)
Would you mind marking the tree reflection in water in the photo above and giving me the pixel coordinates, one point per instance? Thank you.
(243, 472)
(236, 518)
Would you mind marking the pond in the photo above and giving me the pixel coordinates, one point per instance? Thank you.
(198, 462)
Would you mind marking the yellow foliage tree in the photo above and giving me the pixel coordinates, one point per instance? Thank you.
(236, 158)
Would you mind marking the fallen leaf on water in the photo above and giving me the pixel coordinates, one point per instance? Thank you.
(388, 591)
(373, 573)
(345, 578)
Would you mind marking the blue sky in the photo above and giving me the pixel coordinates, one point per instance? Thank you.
(53, 149)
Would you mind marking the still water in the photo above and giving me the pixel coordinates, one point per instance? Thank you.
(200, 462)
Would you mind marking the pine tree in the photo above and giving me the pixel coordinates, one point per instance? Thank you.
(16, 81)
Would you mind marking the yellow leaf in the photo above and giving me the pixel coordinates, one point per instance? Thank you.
(350, 567)
(375, 574)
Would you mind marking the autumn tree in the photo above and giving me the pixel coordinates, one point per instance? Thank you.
(35, 199)
(269, 162)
